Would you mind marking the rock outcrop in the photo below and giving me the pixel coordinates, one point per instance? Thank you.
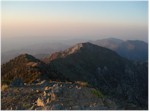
(55, 96)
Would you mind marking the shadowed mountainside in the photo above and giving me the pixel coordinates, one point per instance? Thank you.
(104, 69)
(131, 49)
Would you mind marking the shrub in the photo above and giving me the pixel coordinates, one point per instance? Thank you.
(98, 93)
(7, 82)
(26, 105)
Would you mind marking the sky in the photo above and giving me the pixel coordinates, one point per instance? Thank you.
(25, 22)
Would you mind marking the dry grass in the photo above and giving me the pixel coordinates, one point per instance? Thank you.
(4, 87)
(83, 84)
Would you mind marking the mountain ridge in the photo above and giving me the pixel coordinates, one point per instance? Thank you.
(135, 50)
(74, 49)
(100, 67)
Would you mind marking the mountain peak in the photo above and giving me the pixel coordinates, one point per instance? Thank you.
(27, 57)
(111, 43)
(114, 39)
(74, 49)
(77, 47)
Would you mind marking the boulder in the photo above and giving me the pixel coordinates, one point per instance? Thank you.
(53, 97)
(44, 93)
(40, 102)
(46, 88)
(48, 100)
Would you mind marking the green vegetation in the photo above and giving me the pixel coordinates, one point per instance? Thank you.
(98, 93)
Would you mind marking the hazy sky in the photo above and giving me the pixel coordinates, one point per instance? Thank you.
(24, 22)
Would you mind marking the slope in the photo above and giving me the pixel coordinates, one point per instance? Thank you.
(104, 69)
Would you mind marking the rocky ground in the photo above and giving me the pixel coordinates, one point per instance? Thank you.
(55, 96)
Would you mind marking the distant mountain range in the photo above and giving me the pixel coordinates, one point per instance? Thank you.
(131, 49)
(100, 67)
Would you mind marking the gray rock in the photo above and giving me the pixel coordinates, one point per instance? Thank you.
(98, 107)
(39, 108)
(53, 97)
(110, 104)
(57, 90)
(57, 107)
(44, 83)
(32, 108)
(76, 107)
(47, 107)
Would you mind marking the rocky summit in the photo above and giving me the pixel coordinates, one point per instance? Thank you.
(54, 95)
